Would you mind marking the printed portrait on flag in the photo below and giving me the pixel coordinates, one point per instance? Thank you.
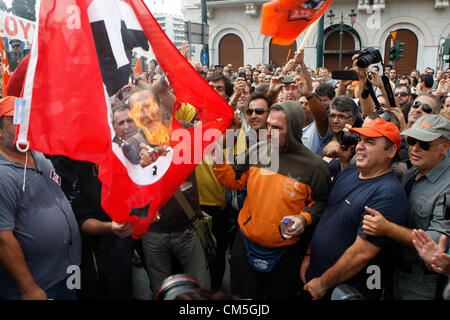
(313, 4)
(80, 60)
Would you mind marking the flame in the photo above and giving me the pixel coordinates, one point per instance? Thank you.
(149, 117)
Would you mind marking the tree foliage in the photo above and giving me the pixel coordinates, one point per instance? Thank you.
(3, 6)
(24, 8)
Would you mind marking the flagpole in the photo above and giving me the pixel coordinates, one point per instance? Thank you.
(308, 33)
(287, 58)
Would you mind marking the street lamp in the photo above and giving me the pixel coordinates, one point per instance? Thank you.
(331, 16)
(353, 16)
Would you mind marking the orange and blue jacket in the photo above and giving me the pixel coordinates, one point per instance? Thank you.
(300, 184)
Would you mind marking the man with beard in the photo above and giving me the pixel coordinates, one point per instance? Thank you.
(264, 263)
(39, 236)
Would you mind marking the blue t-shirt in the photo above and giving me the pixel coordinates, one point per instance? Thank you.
(342, 221)
(313, 140)
(42, 221)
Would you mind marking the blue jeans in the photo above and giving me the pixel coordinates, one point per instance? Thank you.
(60, 291)
(159, 248)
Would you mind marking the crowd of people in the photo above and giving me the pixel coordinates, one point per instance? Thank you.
(360, 195)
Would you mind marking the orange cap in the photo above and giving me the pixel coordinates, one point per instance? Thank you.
(381, 128)
(7, 106)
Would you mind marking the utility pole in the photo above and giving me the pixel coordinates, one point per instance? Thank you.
(205, 23)
(341, 37)
(320, 29)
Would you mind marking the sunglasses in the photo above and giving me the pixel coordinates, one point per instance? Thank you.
(425, 146)
(339, 116)
(401, 93)
(16, 45)
(425, 107)
(258, 111)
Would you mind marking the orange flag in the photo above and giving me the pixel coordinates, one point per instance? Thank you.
(6, 72)
(285, 20)
(138, 67)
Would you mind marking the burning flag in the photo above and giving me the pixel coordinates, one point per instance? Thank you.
(138, 67)
(285, 20)
(80, 58)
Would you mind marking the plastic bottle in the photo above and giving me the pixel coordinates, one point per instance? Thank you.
(284, 225)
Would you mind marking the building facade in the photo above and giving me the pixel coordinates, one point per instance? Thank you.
(173, 26)
(423, 25)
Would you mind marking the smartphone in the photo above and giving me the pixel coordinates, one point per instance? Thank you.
(344, 75)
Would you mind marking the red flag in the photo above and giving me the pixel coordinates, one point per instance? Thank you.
(80, 59)
(6, 72)
(285, 20)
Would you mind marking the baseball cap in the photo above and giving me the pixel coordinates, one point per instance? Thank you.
(381, 128)
(429, 127)
(7, 106)
(15, 41)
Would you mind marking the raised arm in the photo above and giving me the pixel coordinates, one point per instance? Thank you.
(318, 111)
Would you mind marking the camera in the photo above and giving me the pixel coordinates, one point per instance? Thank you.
(241, 74)
(346, 139)
(287, 80)
(367, 57)
(175, 285)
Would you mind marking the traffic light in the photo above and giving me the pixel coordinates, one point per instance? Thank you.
(392, 55)
(395, 52)
(399, 50)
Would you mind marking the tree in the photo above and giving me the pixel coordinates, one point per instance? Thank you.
(3, 6)
(24, 8)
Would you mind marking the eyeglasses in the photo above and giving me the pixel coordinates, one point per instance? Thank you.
(401, 93)
(258, 111)
(425, 107)
(423, 144)
(339, 116)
